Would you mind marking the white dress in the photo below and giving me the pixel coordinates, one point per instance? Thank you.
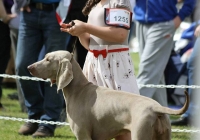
(116, 70)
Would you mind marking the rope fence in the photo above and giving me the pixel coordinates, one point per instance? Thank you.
(67, 124)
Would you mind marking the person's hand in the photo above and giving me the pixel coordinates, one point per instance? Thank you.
(8, 17)
(75, 30)
(26, 8)
(65, 27)
(177, 21)
(197, 31)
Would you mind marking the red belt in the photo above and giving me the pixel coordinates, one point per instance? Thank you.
(104, 52)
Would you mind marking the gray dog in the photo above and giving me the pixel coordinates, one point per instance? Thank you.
(99, 113)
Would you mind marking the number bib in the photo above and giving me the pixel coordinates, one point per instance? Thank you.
(118, 17)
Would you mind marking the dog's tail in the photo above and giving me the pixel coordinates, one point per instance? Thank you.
(169, 111)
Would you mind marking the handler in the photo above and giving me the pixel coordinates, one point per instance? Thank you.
(155, 27)
(105, 36)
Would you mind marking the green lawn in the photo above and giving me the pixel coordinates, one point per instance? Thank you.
(9, 129)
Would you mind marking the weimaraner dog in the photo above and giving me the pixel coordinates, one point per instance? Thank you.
(99, 113)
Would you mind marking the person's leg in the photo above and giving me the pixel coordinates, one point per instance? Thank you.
(196, 12)
(81, 54)
(28, 47)
(14, 38)
(79, 49)
(154, 55)
(186, 117)
(132, 32)
(5, 44)
(191, 67)
(54, 40)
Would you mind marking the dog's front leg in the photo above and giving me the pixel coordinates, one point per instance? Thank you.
(82, 134)
(83, 137)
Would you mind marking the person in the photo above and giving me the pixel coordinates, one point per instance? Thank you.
(186, 118)
(39, 26)
(14, 27)
(156, 24)
(5, 41)
(196, 13)
(132, 30)
(108, 62)
(75, 12)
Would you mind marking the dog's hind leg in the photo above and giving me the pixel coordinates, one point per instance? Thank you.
(142, 129)
(142, 134)
(162, 128)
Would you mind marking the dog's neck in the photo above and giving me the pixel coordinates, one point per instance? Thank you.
(79, 80)
(79, 77)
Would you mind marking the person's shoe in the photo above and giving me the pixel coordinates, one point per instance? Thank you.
(42, 132)
(13, 96)
(1, 107)
(182, 121)
(28, 128)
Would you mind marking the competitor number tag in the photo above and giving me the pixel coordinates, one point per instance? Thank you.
(118, 17)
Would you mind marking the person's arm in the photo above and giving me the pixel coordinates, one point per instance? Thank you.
(84, 40)
(187, 9)
(197, 31)
(110, 33)
(180, 1)
(3, 14)
(5, 18)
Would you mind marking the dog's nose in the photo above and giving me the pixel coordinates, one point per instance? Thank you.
(30, 68)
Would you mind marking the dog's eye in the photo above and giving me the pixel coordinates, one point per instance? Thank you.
(48, 59)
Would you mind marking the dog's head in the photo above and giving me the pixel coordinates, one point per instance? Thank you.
(55, 66)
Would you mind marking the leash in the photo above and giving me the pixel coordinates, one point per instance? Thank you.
(74, 45)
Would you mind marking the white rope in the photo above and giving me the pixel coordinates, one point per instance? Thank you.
(185, 131)
(23, 77)
(32, 120)
(169, 86)
(140, 85)
(67, 124)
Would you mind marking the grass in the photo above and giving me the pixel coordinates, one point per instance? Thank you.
(135, 59)
(9, 129)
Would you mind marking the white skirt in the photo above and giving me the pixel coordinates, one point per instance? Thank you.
(116, 71)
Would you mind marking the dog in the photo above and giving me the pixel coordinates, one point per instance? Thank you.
(100, 113)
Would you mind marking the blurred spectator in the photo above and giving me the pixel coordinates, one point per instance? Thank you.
(186, 118)
(75, 12)
(14, 28)
(39, 26)
(196, 13)
(5, 42)
(155, 28)
(132, 30)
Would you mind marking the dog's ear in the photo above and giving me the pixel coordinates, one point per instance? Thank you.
(64, 74)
